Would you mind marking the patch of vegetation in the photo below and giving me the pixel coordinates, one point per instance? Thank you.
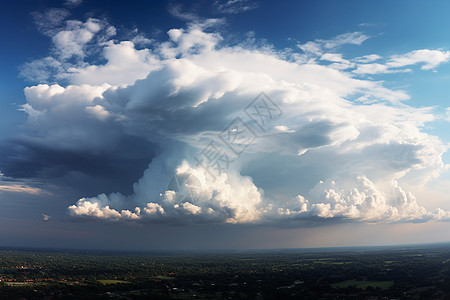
(161, 277)
(112, 281)
(383, 285)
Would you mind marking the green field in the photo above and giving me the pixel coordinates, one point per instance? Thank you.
(19, 283)
(111, 281)
(161, 277)
(383, 285)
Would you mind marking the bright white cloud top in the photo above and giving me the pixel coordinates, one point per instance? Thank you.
(343, 149)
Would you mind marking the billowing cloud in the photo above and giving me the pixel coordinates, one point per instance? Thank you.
(230, 198)
(305, 151)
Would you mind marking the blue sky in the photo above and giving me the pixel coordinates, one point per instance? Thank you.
(165, 124)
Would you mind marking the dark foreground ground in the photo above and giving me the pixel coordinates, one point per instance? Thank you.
(413, 272)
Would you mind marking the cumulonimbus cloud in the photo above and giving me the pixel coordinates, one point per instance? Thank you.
(324, 156)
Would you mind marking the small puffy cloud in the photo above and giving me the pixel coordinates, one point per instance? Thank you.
(125, 64)
(71, 41)
(311, 47)
(283, 128)
(334, 57)
(141, 40)
(75, 42)
(46, 218)
(368, 58)
(371, 69)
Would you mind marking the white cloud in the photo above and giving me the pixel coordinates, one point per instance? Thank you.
(101, 211)
(361, 199)
(318, 46)
(371, 69)
(231, 198)
(182, 93)
(141, 40)
(283, 128)
(430, 59)
(334, 57)
(353, 38)
(368, 58)
(369, 64)
(74, 42)
(124, 66)
(98, 112)
(338, 62)
(311, 47)
(46, 218)
(71, 41)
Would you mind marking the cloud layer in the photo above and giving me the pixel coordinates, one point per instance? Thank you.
(338, 147)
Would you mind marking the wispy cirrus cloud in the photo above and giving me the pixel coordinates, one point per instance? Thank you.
(428, 59)
(73, 3)
(318, 46)
(373, 63)
(16, 186)
(234, 6)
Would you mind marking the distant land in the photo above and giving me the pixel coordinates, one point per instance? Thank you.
(381, 272)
